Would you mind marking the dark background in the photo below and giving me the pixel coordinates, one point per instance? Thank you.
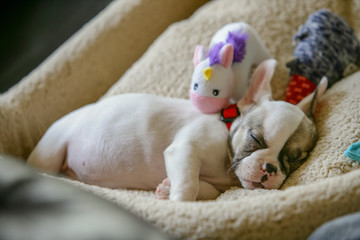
(30, 30)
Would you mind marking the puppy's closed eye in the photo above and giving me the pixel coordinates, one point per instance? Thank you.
(299, 156)
(255, 141)
(295, 160)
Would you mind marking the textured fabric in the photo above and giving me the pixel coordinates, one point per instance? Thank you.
(60, 211)
(325, 46)
(299, 87)
(326, 186)
(83, 68)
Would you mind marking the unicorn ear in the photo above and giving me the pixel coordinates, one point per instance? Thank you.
(227, 55)
(199, 54)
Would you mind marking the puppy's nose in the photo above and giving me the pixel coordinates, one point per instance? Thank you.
(270, 168)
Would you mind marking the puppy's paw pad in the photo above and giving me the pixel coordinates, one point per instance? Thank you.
(163, 189)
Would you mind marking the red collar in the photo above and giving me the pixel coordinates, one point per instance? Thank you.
(299, 87)
(229, 114)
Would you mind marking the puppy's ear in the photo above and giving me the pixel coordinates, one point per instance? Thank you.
(308, 104)
(260, 88)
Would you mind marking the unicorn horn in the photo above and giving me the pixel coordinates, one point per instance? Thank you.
(207, 73)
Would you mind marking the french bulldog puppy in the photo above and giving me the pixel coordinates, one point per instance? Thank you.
(136, 141)
(271, 139)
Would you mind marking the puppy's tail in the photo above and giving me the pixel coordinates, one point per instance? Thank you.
(50, 152)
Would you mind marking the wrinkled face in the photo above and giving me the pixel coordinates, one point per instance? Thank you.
(268, 142)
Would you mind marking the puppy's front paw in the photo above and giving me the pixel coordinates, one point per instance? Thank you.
(163, 189)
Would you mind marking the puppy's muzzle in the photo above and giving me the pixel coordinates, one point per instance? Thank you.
(269, 169)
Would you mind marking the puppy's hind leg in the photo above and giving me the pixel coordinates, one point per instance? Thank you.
(49, 154)
(163, 189)
(207, 191)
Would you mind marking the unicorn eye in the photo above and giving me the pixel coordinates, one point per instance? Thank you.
(196, 86)
(216, 92)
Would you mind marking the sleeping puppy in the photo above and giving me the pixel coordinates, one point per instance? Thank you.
(136, 141)
(271, 139)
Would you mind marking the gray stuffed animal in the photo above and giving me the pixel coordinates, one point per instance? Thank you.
(325, 46)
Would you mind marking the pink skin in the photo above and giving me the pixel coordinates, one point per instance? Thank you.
(258, 184)
(254, 175)
(163, 189)
(208, 104)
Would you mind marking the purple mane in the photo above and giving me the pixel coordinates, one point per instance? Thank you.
(214, 53)
(238, 40)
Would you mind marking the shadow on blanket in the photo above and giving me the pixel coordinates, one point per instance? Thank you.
(37, 207)
(345, 227)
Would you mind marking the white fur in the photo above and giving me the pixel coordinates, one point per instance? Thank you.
(256, 52)
(281, 121)
(138, 140)
(228, 81)
(135, 141)
(221, 79)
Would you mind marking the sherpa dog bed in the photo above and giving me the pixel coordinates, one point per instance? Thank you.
(91, 64)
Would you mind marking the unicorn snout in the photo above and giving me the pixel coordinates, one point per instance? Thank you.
(208, 104)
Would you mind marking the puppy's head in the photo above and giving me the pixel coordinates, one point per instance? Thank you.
(271, 139)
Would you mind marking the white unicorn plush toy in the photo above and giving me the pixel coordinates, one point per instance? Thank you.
(222, 72)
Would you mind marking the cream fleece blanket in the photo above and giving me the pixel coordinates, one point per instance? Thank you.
(326, 186)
